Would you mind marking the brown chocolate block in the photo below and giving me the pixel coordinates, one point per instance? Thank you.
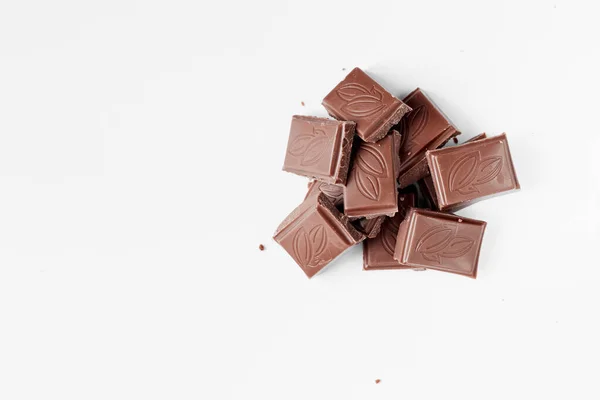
(360, 99)
(424, 128)
(371, 187)
(378, 252)
(334, 193)
(471, 172)
(441, 241)
(315, 233)
(370, 226)
(319, 148)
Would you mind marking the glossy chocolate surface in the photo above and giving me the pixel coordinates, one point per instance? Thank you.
(371, 187)
(471, 172)
(315, 233)
(319, 148)
(441, 241)
(424, 128)
(378, 252)
(360, 99)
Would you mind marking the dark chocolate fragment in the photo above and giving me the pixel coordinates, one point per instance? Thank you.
(360, 99)
(440, 241)
(471, 172)
(315, 233)
(261, 247)
(378, 252)
(371, 187)
(319, 148)
(424, 128)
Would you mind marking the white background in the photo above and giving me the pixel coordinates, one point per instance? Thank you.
(141, 145)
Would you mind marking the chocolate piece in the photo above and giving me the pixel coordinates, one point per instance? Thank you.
(261, 247)
(319, 148)
(441, 241)
(334, 193)
(315, 233)
(371, 187)
(370, 226)
(424, 128)
(471, 172)
(378, 253)
(360, 99)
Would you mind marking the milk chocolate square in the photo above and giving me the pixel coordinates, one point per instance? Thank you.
(371, 187)
(319, 148)
(315, 233)
(360, 99)
(471, 172)
(441, 241)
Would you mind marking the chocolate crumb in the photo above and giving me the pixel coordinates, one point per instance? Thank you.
(455, 140)
(261, 247)
(377, 381)
(302, 103)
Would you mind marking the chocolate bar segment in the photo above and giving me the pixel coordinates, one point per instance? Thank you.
(424, 128)
(371, 187)
(315, 233)
(440, 241)
(360, 99)
(471, 172)
(334, 193)
(319, 148)
(378, 252)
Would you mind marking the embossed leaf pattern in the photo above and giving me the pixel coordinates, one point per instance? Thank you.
(442, 241)
(302, 248)
(310, 148)
(488, 170)
(360, 101)
(368, 168)
(470, 170)
(412, 126)
(299, 144)
(371, 161)
(350, 90)
(458, 246)
(367, 184)
(463, 173)
(310, 250)
(314, 151)
(318, 239)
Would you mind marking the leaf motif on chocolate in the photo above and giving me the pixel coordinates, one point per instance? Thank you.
(371, 161)
(434, 240)
(351, 90)
(416, 122)
(302, 249)
(318, 239)
(463, 172)
(298, 145)
(314, 151)
(458, 246)
(388, 238)
(488, 169)
(363, 106)
(367, 184)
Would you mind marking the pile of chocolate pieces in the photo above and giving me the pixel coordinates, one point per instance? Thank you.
(393, 188)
